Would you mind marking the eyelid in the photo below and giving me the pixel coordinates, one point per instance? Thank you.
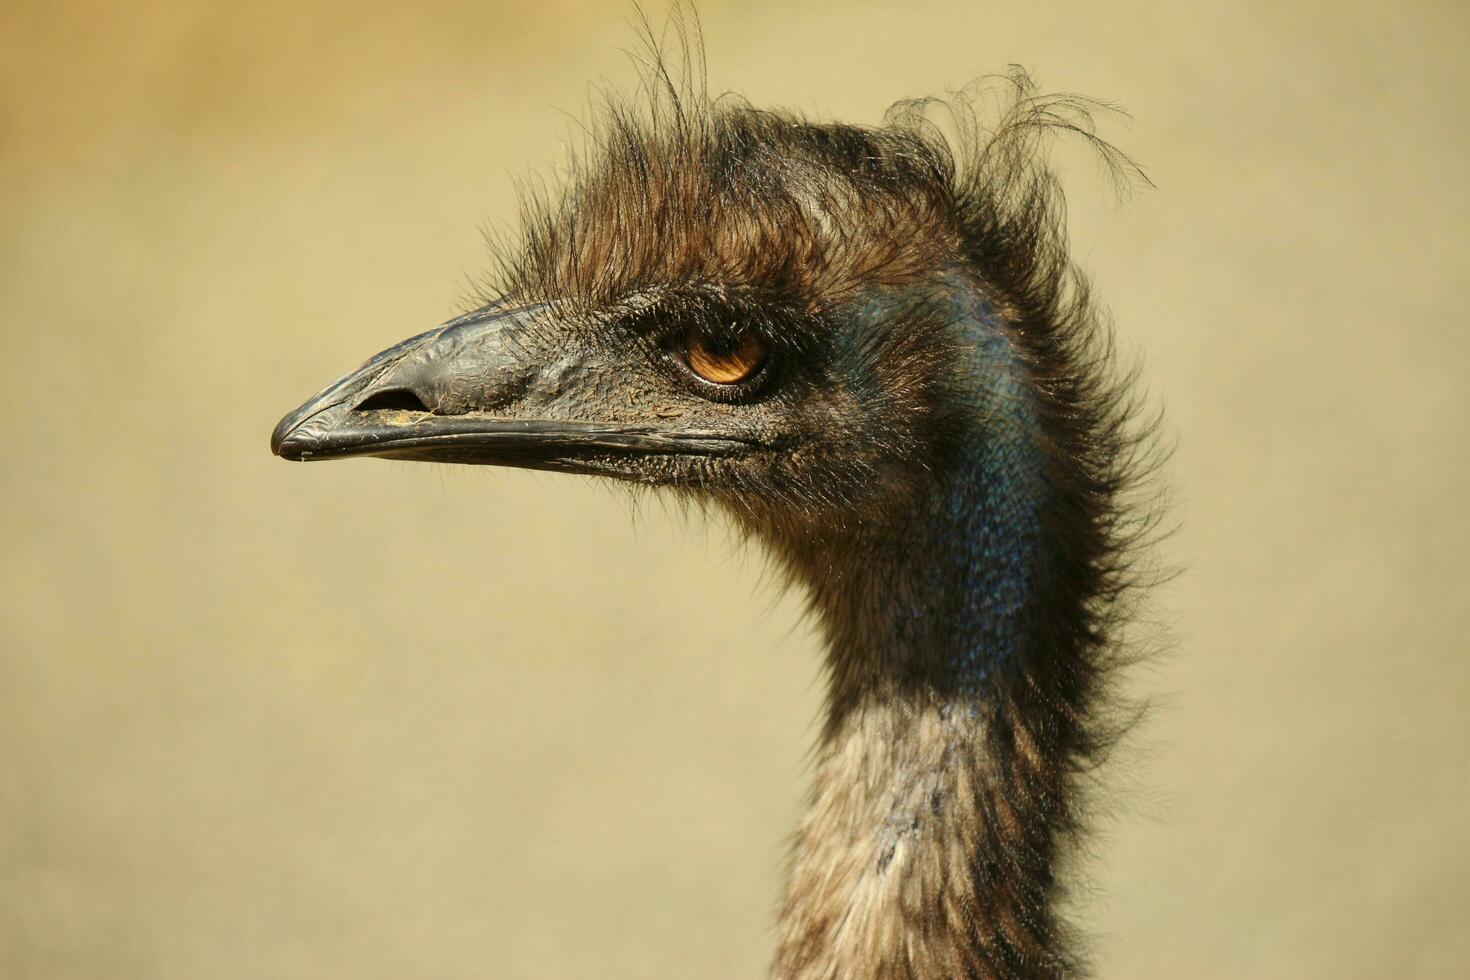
(745, 390)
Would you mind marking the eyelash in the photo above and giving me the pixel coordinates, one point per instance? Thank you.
(665, 331)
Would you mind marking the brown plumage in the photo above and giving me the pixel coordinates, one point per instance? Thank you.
(867, 345)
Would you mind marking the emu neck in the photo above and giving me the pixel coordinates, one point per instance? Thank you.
(928, 849)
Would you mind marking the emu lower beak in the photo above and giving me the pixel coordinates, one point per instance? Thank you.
(468, 392)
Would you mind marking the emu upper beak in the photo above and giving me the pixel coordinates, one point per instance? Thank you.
(468, 392)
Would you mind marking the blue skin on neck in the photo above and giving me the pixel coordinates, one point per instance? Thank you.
(994, 504)
(974, 573)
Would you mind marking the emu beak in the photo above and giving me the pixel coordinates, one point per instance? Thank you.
(469, 392)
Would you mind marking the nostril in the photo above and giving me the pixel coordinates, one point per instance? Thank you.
(392, 399)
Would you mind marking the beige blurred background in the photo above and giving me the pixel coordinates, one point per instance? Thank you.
(380, 720)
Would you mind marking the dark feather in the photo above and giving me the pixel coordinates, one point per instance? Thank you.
(719, 210)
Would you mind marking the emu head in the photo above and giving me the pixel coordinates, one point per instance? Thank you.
(774, 315)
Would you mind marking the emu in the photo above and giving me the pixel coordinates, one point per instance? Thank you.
(868, 347)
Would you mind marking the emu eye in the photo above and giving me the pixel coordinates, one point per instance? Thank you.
(723, 357)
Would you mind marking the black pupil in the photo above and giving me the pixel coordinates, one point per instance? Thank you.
(722, 345)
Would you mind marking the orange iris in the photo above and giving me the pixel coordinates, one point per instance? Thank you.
(724, 358)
